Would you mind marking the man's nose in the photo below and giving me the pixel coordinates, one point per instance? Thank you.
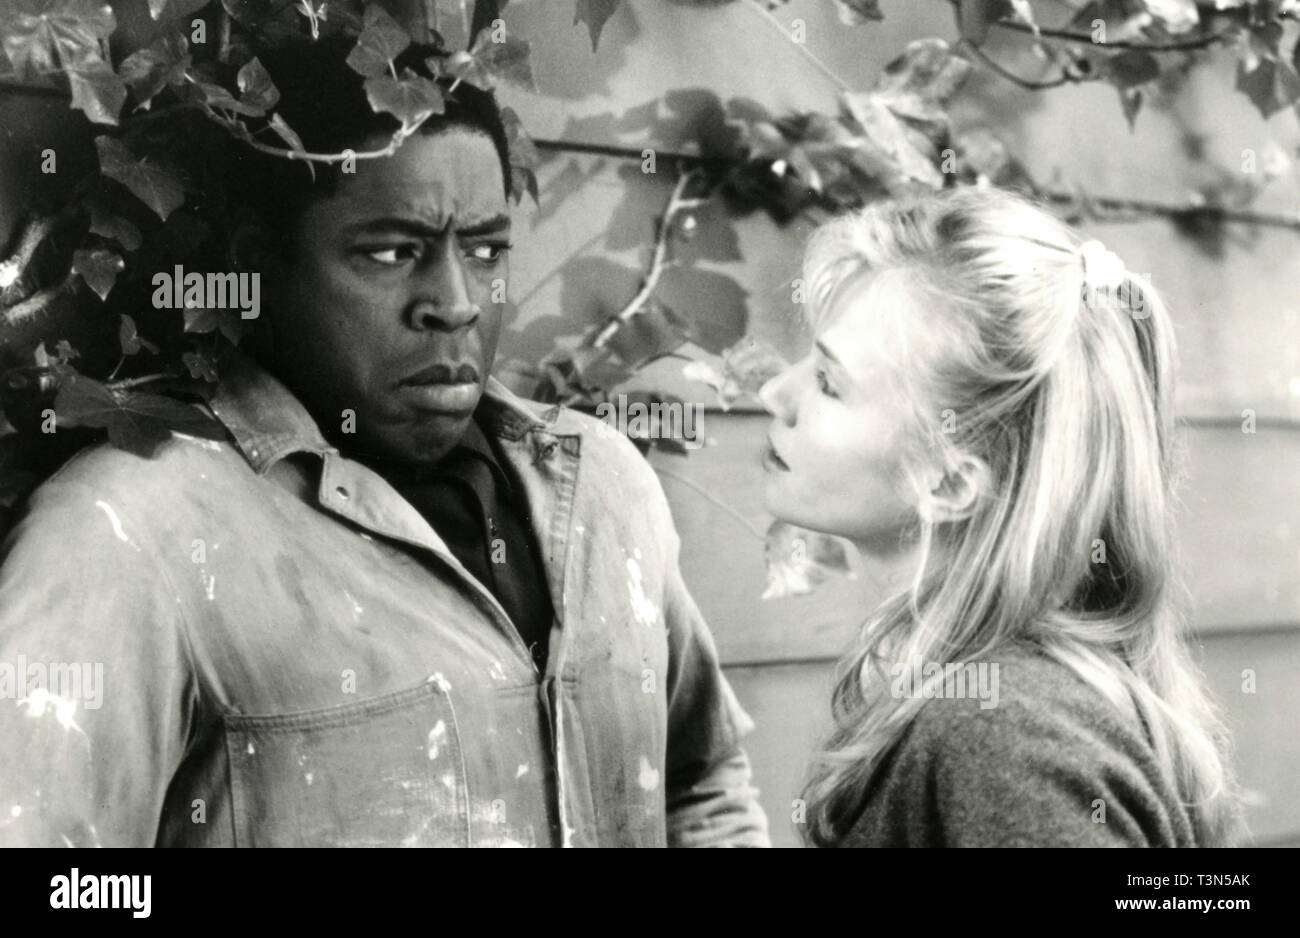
(443, 301)
(775, 396)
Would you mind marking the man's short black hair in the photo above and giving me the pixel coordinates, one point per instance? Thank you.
(323, 100)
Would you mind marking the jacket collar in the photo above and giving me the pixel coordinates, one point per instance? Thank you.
(268, 422)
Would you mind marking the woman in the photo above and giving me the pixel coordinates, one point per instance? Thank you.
(987, 414)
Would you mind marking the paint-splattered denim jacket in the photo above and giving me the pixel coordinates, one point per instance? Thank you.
(291, 655)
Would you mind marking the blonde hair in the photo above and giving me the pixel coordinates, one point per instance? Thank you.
(1063, 387)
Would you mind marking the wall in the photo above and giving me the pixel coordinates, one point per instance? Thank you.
(661, 72)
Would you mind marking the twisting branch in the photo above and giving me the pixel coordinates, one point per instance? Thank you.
(1031, 84)
(676, 204)
(1203, 41)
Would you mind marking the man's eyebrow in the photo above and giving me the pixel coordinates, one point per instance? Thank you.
(421, 229)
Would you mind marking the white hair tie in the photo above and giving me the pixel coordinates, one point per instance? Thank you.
(1101, 267)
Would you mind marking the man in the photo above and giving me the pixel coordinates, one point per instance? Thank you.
(399, 606)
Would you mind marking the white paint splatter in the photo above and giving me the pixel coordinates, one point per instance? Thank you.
(206, 444)
(496, 672)
(116, 522)
(209, 585)
(309, 776)
(645, 611)
(437, 736)
(356, 607)
(63, 709)
(448, 780)
(250, 750)
(443, 684)
(16, 810)
(521, 771)
(648, 778)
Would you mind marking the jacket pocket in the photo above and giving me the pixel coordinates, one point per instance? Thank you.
(383, 772)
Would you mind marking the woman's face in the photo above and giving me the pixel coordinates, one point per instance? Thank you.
(833, 459)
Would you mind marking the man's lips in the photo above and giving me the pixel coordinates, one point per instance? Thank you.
(443, 387)
(444, 373)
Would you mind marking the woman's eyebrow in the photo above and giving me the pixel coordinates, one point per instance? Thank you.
(828, 354)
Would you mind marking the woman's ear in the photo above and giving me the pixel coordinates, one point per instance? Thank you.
(955, 490)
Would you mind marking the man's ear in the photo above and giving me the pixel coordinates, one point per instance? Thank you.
(955, 490)
(251, 248)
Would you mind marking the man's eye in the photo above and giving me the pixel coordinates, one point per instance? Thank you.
(824, 385)
(391, 256)
(488, 253)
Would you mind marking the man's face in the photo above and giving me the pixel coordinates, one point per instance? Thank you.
(385, 306)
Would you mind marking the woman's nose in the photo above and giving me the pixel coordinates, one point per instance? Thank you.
(774, 397)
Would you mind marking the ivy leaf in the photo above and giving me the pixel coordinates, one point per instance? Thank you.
(1130, 101)
(285, 133)
(1132, 67)
(1272, 85)
(256, 89)
(42, 35)
(107, 225)
(381, 41)
(974, 17)
(1177, 16)
(130, 339)
(64, 352)
(136, 421)
(885, 130)
(799, 559)
(486, 61)
(410, 99)
(98, 92)
(215, 96)
(227, 321)
(523, 156)
(746, 367)
(153, 184)
(595, 13)
(149, 70)
(99, 267)
(714, 305)
(652, 333)
(175, 8)
(857, 12)
(201, 365)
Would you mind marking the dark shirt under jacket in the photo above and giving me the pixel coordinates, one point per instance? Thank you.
(471, 501)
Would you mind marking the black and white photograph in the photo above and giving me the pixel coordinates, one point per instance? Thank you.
(651, 423)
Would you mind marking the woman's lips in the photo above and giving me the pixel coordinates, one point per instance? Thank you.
(771, 461)
(458, 398)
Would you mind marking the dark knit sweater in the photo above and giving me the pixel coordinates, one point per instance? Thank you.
(1027, 772)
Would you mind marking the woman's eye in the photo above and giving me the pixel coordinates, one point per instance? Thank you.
(824, 385)
(488, 253)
